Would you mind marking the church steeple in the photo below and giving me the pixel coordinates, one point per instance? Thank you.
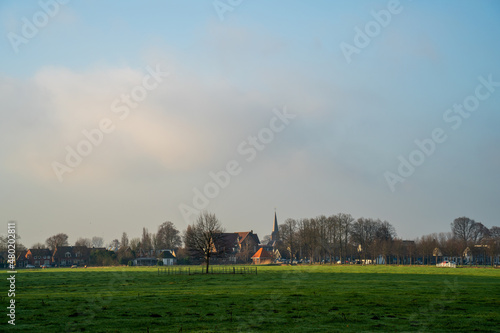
(275, 235)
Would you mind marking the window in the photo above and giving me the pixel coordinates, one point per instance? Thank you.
(67, 255)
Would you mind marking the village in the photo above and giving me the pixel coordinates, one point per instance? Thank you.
(230, 248)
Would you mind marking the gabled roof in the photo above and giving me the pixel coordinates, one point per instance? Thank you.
(245, 234)
(168, 255)
(226, 242)
(261, 253)
(22, 255)
(242, 235)
(60, 251)
(40, 252)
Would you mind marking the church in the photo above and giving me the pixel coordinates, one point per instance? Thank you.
(269, 252)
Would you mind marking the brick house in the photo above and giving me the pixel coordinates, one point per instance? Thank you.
(38, 257)
(262, 257)
(71, 255)
(248, 243)
(21, 260)
(234, 246)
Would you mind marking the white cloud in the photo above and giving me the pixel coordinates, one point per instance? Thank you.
(184, 124)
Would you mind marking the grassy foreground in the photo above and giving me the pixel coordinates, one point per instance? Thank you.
(278, 299)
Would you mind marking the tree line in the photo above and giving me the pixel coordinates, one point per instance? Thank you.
(342, 238)
(335, 238)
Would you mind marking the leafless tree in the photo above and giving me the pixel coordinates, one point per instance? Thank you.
(266, 239)
(495, 233)
(146, 241)
(332, 238)
(363, 234)
(97, 241)
(124, 242)
(345, 222)
(135, 244)
(201, 237)
(385, 233)
(83, 242)
(57, 240)
(464, 229)
(168, 237)
(115, 244)
(289, 237)
(479, 233)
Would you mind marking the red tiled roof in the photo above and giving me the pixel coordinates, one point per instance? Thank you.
(243, 236)
(261, 253)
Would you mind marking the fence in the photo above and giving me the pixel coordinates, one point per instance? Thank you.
(203, 270)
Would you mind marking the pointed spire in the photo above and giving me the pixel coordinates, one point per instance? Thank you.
(275, 226)
(275, 236)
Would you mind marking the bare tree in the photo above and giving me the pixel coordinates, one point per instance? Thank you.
(479, 232)
(115, 244)
(135, 244)
(266, 239)
(332, 236)
(83, 242)
(289, 237)
(426, 245)
(345, 228)
(97, 241)
(202, 237)
(57, 240)
(124, 242)
(146, 241)
(464, 229)
(168, 237)
(495, 233)
(384, 236)
(363, 234)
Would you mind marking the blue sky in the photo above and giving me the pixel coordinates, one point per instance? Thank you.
(352, 119)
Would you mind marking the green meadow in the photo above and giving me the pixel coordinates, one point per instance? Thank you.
(277, 299)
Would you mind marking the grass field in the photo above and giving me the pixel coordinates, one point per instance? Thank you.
(277, 299)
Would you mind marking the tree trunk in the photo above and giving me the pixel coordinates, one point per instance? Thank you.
(208, 263)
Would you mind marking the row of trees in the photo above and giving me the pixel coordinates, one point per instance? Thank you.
(166, 237)
(336, 237)
(319, 239)
(344, 238)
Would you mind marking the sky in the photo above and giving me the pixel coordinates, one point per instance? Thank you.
(120, 115)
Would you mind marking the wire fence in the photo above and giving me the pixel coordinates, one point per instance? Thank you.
(203, 270)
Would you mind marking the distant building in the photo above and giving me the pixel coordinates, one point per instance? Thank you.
(168, 258)
(145, 261)
(21, 260)
(275, 235)
(234, 246)
(38, 257)
(262, 257)
(71, 255)
(275, 243)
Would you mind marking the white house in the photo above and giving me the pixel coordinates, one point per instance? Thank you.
(168, 258)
